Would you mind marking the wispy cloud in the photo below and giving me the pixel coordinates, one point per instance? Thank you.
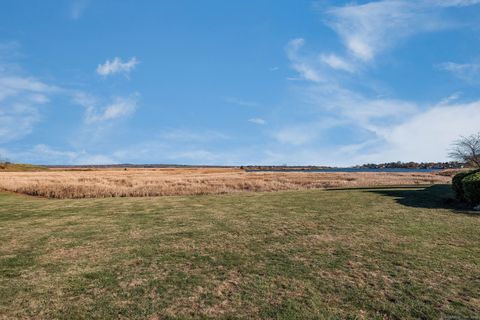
(13, 85)
(46, 154)
(20, 102)
(120, 107)
(299, 63)
(116, 65)
(374, 27)
(191, 136)
(357, 107)
(452, 3)
(298, 135)
(336, 62)
(241, 102)
(451, 98)
(77, 8)
(155, 151)
(427, 135)
(469, 72)
(259, 121)
(17, 121)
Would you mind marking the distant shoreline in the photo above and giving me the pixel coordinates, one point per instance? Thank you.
(386, 167)
(353, 170)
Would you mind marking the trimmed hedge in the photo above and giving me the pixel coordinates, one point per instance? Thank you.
(471, 188)
(457, 184)
(466, 186)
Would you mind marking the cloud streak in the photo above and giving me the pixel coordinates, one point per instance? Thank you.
(120, 107)
(469, 72)
(372, 28)
(299, 63)
(258, 121)
(116, 66)
(20, 101)
(45, 154)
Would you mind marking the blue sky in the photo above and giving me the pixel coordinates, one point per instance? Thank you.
(237, 82)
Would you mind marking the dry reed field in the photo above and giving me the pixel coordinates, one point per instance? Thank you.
(82, 183)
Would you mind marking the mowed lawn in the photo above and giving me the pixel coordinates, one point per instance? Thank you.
(382, 253)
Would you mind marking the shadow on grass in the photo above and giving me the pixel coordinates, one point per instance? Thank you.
(429, 197)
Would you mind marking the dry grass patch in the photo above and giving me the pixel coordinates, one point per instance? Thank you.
(166, 182)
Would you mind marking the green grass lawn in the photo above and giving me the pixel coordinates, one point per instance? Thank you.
(382, 253)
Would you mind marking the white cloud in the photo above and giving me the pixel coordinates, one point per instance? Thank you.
(20, 102)
(116, 65)
(453, 97)
(364, 28)
(356, 107)
(371, 28)
(17, 85)
(318, 68)
(259, 121)
(428, 135)
(469, 72)
(299, 63)
(452, 3)
(425, 133)
(336, 62)
(120, 107)
(424, 137)
(17, 121)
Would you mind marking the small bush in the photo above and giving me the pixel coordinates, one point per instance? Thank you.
(471, 187)
(457, 185)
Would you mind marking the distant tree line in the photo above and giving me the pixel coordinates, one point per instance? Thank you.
(415, 165)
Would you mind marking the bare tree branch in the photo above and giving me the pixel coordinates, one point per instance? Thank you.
(467, 149)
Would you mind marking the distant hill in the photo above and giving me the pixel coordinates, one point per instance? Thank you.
(10, 167)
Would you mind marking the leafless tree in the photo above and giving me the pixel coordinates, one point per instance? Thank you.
(467, 149)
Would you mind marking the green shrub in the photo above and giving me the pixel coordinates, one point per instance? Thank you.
(471, 187)
(457, 184)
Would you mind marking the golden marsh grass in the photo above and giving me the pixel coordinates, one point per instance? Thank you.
(102, 183)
